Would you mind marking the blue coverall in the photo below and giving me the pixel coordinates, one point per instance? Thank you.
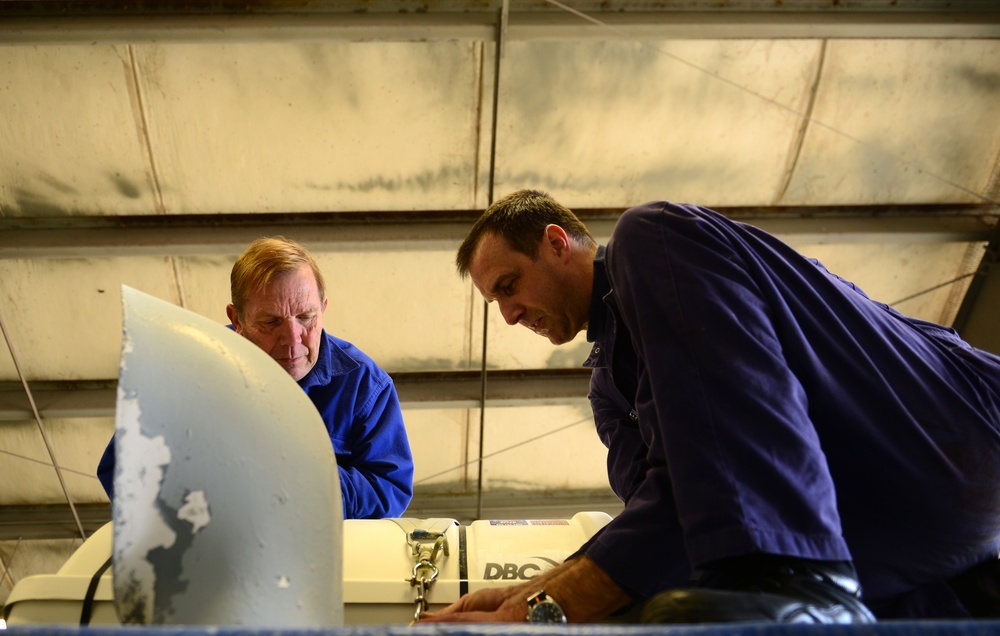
(752, 401)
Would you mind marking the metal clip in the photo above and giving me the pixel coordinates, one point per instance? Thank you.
(425, 547)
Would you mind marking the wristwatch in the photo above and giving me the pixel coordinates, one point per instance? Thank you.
(543, 609)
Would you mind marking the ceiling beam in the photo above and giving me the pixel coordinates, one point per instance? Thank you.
(191, 235)
(41, 22)
(51, 521)
(443, 389)
(709, 23)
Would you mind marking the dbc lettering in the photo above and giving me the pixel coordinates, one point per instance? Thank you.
(510, 571)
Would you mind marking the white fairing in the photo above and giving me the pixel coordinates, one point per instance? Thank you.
(227, 506)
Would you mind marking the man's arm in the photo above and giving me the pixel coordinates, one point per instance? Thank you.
(642, 549)
(619, 432)
(106, 469)
(584, 591)
(376, 471)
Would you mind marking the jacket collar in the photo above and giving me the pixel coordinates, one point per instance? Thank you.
(331, 361)
(598, 324)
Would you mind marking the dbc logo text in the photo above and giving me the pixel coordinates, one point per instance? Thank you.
(514, 571)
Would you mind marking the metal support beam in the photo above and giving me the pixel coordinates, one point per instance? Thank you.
(50, 521)
(190, 235)
(710, 23)
(42, 22)
(445, 389)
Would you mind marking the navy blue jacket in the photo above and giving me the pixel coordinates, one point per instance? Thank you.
(752, 401)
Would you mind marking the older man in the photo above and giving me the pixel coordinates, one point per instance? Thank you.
(278, 303)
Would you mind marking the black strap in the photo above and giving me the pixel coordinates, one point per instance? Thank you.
(463, 563)
(88, 600)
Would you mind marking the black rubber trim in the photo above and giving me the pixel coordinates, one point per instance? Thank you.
(463, 563)
(88, 601)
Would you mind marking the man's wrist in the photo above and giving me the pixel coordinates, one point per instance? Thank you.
(544, 609)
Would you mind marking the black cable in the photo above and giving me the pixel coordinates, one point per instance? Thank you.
(932, 288)
(88, 601)
(463, 563)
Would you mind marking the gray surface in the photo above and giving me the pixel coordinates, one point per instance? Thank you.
(212, 527)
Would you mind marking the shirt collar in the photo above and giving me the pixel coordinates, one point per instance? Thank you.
(598, 322)
(331, 361)
(322, 371)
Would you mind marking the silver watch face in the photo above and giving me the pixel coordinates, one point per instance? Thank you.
(546, 611)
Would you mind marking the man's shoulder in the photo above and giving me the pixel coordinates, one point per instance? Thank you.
(646, 222)
(666, 210)
(345, 356)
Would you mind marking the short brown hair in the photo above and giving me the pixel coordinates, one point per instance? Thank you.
(520, 218)
(265, 259)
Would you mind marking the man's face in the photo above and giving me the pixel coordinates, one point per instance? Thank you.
(532, 293)
(285, 319)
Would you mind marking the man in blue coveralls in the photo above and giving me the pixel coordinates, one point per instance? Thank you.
(781, 441)
(278, 303)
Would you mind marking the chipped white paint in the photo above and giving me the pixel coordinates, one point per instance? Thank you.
(195, 511)
(138, 473)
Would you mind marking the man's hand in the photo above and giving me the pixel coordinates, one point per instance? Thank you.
(492, 605)
(585, 592)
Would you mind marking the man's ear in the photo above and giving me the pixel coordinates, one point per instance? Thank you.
(234, 318)
(556, 239)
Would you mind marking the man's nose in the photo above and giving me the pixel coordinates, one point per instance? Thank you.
(511, 312)
(291, 332)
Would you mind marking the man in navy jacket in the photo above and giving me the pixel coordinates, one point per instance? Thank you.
(278, 303)
(780, 440)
